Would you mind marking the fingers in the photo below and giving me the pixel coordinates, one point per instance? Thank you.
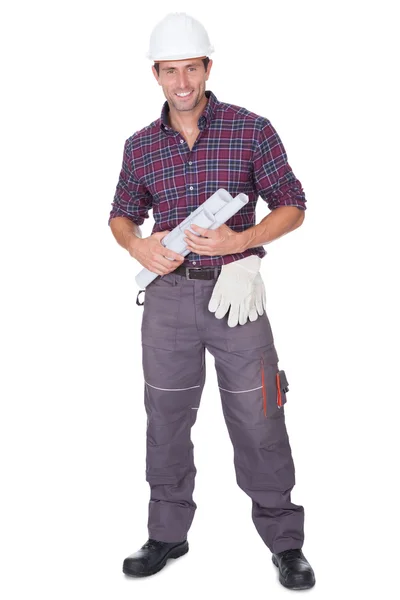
(200, 231)
(163, 266)
(253, 314)
(243, 313)
(157, 258)
(165, 256)
(204, 240)
(170, 254)
(193, 240)
(214, 302)
(159, 249)
(245, 308)
(233, 318)
(259, 305)
(222, 308)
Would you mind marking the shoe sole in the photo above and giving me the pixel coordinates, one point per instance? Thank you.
(175, 552)
(305, 586)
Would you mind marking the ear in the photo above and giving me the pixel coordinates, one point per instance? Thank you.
(155, 74)
(210, 64)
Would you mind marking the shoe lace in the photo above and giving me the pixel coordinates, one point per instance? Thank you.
(291, 554)
(152, 544)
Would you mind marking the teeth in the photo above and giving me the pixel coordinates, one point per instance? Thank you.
(187, 94)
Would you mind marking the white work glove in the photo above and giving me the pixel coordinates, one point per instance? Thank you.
(240, 290)
(258, 298)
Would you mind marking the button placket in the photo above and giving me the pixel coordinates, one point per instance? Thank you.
(191, 187)
(189, 179)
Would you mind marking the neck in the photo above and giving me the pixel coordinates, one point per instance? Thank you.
(186, 120)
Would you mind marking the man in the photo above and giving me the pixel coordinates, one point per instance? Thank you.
(173, 165)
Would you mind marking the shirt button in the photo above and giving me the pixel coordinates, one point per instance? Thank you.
(191, 187)
(194, 262)
(182, 141)
(190, 162)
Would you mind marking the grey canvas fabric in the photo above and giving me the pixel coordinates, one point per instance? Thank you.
(176, 329)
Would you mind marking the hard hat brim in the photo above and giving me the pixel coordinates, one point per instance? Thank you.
(178, 57)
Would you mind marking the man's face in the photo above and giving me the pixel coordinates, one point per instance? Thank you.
(180, 77)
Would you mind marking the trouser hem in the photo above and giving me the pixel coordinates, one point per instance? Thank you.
(162, 536)
(286, 545)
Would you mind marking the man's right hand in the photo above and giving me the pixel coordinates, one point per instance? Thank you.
(153, 255)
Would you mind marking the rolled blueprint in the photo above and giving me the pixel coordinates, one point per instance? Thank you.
(215, 211)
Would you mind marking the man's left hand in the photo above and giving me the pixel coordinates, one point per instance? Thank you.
(214, 242)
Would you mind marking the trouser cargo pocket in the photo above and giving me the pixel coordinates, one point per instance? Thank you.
(282, 387)
(274, 384)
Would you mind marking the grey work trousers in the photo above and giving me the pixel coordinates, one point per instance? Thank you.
(176, 329)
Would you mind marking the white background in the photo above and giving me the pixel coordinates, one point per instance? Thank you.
(76, 84)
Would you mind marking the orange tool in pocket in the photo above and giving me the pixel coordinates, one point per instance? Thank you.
(278, 387)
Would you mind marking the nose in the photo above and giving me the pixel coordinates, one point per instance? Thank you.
(183, 80)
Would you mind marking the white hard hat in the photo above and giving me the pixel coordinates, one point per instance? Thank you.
(178, 36)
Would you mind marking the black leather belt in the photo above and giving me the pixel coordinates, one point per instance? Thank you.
(198, 273)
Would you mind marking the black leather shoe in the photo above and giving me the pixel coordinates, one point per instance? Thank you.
(295, 571)
(152, 557)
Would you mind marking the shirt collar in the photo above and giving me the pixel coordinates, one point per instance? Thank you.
(203, 121)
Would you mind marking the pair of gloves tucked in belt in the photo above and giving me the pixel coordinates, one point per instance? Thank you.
(239, 289)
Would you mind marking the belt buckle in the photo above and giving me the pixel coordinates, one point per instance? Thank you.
(188, 269)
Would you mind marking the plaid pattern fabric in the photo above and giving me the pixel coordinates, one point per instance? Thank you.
(236, 149)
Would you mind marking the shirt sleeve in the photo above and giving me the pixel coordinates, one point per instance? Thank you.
(274, 179)
(131, 199)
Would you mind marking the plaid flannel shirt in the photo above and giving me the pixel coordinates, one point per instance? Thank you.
(236, 149)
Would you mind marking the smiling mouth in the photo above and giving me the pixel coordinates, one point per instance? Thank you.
(184, 97)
